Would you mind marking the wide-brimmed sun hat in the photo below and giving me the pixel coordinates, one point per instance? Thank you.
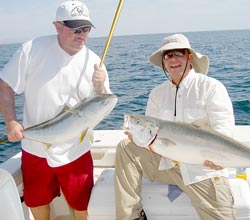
(73, 14)
(200, 63)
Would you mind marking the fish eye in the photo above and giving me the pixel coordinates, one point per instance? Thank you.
(137, 121)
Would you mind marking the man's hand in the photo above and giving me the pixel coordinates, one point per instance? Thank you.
(98, 79)
(211, 165)
(14, 131)
(129, 135)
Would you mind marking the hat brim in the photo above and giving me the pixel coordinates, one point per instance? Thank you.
(77, 23)
(200, 62)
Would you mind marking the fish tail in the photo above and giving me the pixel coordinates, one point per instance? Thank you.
(4, 140)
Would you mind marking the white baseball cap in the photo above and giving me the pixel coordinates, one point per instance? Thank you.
(73, 14)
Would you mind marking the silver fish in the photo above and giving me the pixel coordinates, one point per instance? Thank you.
(186, 143)
(72, 122)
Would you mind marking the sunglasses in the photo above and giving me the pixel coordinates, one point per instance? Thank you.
(170, 53)
(85, 29)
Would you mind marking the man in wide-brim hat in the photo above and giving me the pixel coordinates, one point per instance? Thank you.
(188, 96)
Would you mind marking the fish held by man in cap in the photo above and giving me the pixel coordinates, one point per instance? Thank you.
(186, 143)
(72, 122)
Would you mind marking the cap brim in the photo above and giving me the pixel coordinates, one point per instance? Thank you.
(77, 23)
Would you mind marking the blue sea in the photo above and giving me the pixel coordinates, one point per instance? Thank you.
(132, 77)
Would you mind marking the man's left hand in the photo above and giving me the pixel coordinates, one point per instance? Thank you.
(98, 79)
(211, 165)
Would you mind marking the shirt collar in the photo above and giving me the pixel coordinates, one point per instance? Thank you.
(187, 80)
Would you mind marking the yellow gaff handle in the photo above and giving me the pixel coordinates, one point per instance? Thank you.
(118, 10)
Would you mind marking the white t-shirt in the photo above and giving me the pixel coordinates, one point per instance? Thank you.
(198, 97)
(50, 78)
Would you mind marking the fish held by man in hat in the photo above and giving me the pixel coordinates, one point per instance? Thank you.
(190, 143)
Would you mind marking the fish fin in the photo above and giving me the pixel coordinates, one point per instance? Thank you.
(47, 145)
(70, 110)
(203, 123)
(90, 135)
(166, 141)
(83, 134)
(161, 142)
(4, 140)
(65, 108)
(73, 111)
(214, 157)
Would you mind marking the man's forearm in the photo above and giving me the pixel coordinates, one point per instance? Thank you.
(7, 102)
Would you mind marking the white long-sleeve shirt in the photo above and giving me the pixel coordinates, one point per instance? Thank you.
(198, 97)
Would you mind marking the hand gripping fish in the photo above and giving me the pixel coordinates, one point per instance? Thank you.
(186, 143)
(72, 122)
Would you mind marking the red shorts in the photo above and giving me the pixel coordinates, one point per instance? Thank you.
(42, 183)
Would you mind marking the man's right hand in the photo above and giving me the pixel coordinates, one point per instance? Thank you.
(14, 131)
(129, 135)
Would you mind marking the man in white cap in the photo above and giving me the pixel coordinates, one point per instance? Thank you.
(188, 95)
(53, 71)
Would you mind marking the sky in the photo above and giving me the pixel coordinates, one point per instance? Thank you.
(22, 20)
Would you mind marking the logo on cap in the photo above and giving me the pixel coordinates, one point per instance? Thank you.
(79, 11)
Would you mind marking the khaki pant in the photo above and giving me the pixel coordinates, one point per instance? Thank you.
(212, 198)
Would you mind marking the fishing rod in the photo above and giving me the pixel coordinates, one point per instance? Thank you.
(118, 10)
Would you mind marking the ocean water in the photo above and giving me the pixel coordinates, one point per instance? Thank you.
(132, 77)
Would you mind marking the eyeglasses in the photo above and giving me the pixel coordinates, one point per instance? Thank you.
(85, 29)
(170, 53)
